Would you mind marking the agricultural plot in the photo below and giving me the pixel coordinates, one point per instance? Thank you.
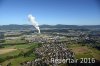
(84, 51)
(3, 51)
(17, 53)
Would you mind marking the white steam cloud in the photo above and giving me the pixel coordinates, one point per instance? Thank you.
(34, 22)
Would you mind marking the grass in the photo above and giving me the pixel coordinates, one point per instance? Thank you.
(95, 53)
(3, 51)
(84, 51)
(14, 53)
(20, 48)
(17, 61)
(16, 41)
(8, 48)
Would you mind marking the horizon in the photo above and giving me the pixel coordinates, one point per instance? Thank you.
(51, 12)
(52, 25)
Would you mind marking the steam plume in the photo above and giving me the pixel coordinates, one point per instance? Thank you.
(34, 22)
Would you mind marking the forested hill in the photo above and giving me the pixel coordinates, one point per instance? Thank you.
(12, 26)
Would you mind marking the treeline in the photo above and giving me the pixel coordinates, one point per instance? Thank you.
(90, 43)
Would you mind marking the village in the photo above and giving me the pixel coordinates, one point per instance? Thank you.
(52, 45)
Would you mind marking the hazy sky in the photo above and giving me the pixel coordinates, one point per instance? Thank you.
(69, 12)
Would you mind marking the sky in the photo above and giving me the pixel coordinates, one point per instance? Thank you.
(51, 12)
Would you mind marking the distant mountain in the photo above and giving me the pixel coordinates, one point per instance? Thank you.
(71, 26)
(19, 27)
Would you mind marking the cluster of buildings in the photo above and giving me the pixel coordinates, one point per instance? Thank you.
(73, 35)
(81, 36)
(50, 51)
(42, 38)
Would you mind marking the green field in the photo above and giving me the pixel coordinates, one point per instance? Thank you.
(17, 61)
(23, 53)
(84, 51)
(16, 41)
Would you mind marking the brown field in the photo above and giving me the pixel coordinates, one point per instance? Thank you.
(3, 51)
(80, 50)
(85, 52)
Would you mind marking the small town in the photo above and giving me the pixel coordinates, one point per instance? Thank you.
(50, 45)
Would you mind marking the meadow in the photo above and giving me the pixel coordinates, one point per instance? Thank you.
(17, 53)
